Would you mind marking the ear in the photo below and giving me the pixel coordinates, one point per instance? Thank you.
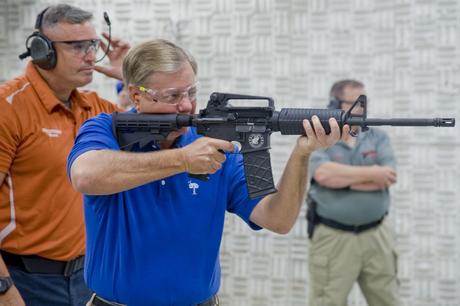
(134, 96)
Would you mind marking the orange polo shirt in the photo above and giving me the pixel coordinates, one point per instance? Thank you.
(40, 212)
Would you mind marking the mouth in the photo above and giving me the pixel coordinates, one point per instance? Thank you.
(87, 69)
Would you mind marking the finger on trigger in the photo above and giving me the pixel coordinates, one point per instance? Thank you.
(225, 146)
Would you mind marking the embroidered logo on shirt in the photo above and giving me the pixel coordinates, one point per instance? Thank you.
(337, 157)
(194, 186)
(52, 132)
(370, 153)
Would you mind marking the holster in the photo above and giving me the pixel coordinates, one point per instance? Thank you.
(312, 217)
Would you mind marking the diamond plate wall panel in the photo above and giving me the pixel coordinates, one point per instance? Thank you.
(407, 53)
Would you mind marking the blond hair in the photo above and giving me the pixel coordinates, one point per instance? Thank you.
(154, 56)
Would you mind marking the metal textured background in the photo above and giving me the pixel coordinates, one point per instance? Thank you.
(406, 51)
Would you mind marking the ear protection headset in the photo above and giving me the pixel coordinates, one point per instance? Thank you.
(40, 48)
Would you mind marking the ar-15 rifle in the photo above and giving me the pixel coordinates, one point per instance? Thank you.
(250, 126)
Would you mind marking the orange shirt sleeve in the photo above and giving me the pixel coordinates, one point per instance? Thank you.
(111, 107)
(100, 104)
(9, 135)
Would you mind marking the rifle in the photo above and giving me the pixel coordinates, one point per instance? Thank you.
(249, 126)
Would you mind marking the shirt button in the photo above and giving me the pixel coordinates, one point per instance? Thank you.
(163, 182)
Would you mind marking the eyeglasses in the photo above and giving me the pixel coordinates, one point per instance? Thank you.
(171, 96)
(81, 47)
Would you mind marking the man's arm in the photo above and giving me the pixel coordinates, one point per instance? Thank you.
(118, 50)
(366, 187)
(279, 211)
(12, 296)
(363, 178)
(101, 172)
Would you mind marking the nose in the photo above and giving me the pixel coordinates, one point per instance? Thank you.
(186, 104)
(90, 53)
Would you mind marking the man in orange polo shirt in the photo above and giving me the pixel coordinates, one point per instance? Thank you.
(42, 237)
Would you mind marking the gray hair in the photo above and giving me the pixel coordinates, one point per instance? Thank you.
(157, 55)
(339, 86)
(64, 13)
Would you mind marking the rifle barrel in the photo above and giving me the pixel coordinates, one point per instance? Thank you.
(445, 122)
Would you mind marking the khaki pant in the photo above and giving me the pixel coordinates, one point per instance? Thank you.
(339, 258)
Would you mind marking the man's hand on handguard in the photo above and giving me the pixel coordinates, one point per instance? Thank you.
(118, 50)
(316, 137)
(205, 155)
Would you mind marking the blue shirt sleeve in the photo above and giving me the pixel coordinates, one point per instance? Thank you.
(95, 134)
(238, 196)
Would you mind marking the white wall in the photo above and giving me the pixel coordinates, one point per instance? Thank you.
(406, 51)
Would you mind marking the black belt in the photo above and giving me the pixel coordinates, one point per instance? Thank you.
(348, 228)
(37, 264)
(97, 301)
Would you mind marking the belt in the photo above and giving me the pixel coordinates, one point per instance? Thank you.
(349, 228)
(37, 264)
(98, 301)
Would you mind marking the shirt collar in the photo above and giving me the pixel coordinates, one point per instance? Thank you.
(46, 95)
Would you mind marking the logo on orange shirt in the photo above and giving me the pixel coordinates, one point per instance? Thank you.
(52, 132)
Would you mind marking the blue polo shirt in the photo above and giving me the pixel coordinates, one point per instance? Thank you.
(158, 244)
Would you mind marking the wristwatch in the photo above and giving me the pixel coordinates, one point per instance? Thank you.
(5, 283)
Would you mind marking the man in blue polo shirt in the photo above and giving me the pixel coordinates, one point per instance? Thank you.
(153, 232)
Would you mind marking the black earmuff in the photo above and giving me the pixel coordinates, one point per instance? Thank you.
(334, 103)
(42, 51)
(39, 47)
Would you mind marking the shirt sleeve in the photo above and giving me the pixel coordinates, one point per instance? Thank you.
(317, 158)
(9, 136)
(95, 134)
(98, 104)
(385, 151)
(111, 107)
(238, 196)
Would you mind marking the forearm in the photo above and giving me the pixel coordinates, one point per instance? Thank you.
(3, 268)
(12, 297)
(101, 172)
(278, 212)
(366, 187)
(336, 175)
